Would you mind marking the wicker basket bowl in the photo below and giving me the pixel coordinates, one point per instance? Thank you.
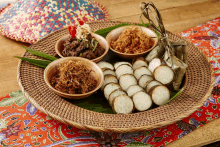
(199, 82)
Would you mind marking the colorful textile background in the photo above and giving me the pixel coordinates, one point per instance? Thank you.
(21, 124)
(4, 3)
(30, 20)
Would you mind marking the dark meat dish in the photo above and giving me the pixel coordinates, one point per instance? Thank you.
(89, 49)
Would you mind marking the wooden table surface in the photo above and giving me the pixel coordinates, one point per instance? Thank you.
(178, 15)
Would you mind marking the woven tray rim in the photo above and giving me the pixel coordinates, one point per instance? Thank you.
(120, 130)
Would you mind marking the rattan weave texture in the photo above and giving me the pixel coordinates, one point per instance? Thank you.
(198, 86)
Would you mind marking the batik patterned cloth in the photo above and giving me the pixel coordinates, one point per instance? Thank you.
(30, 20)
(21, 124)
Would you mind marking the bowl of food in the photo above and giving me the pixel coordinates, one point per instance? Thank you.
(131, 41)
(73, 77)
(81, 42)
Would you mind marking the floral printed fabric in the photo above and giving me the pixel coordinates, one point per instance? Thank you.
(21, 124)
(30, 20)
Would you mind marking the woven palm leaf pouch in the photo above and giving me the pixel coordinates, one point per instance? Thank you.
(174, 54)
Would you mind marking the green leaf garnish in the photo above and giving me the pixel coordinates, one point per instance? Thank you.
(92, 42)
(87, 45)
(95, 45)
(37, 62)
(174, 95)
(39, 65)
(144, 24)
(40, 54)
(105, 31)
(94, 102)
(158, 34)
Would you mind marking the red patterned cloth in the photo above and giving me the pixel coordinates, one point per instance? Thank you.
(21, 124)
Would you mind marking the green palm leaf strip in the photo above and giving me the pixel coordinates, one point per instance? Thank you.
(43, 66)
(174, 95)
(40, 54)
(105, 31)
(37, 62)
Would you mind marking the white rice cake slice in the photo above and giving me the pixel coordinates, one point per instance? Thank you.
(139, 63)
(109, 79)
(151, 85)
(109, 88)
(123, 105)
(142, 101)
(123, 69)
(144, 80)
(104, 65)
(133, 89)
(141, 71)
(127, 80)
(164, 74)
(109, 72)
(117, 64)
(154, 64)
(160, 95)
(114, 94)
(153, 54)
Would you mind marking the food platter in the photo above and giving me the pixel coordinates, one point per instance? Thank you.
(199, 81)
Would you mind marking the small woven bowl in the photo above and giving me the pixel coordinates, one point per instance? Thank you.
(102, 41)
(51, 70)
(114, 34)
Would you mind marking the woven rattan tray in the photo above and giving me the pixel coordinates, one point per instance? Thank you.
(199, 82)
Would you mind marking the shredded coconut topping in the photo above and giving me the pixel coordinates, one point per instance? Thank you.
(83, 31)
